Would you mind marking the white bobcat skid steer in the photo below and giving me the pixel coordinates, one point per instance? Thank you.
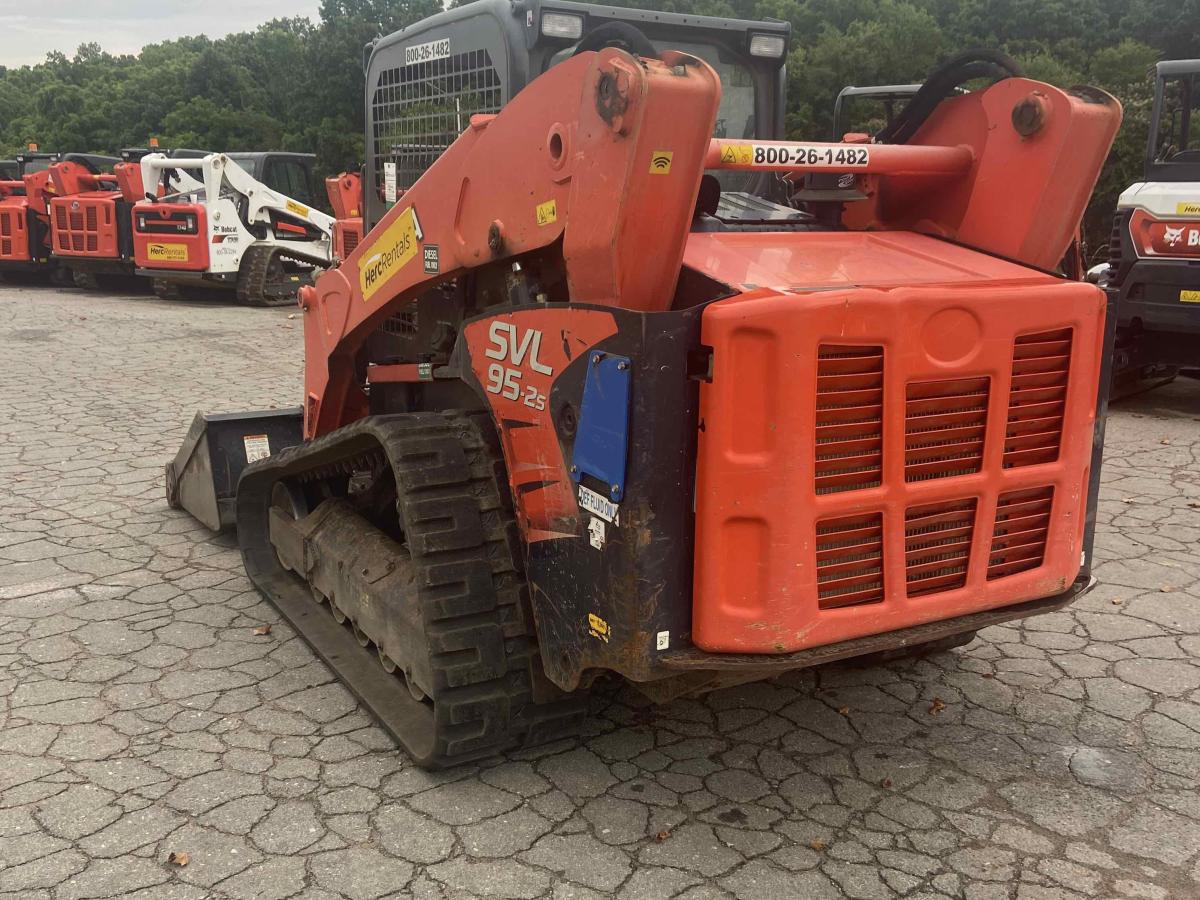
(230, 231)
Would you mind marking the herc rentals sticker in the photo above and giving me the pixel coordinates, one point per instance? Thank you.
(168, 252)
(391, 252)
(1187, 209)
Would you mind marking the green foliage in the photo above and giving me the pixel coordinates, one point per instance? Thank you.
(296, 85)
(288, 85)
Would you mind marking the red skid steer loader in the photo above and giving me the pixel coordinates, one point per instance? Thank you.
(91, 222)
(25, 227)
(594, 397)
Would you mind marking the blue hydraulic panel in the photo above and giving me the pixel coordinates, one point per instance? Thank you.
(602, 438)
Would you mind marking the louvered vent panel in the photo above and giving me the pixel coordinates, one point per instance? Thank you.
(849, 438)
(349, 241)
(937, 546)
(944, 423)
(850, 561)
(1019, 536)
(7, 230)
(1040, 374)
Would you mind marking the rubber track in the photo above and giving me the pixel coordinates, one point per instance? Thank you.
(253, 284)
(489, 693)
(166, 290)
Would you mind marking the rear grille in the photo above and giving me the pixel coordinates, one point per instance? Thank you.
(1019, 536)
(8, 230)
(850, 561)
(1040, 374)
(76, 230)
(944, 423)
(349, 241)
(937, 546)
(849, 434)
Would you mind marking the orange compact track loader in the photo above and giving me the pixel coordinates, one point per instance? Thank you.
(91, 222)
(594, 396)
(25, 203)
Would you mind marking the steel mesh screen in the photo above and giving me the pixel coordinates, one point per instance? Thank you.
(418, 110)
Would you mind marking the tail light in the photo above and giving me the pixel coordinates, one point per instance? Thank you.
(174, 223)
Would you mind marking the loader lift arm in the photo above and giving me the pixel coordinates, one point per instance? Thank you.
(218, 172)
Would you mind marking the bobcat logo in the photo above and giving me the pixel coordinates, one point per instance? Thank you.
(1173, 236)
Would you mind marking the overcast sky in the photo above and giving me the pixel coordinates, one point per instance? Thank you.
(29, 29)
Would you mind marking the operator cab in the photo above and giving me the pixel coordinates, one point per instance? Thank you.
(426, 81)
(10, 170)
(868, 110)
(290, 174)
(1173, 151)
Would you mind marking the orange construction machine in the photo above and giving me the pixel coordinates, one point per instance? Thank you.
(25, 201)
(594, 396)
(91, 224)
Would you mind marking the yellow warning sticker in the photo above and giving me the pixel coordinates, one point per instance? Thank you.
(660, 162)
(598, 628)
(168, 252)
(1187, 209)
(298, 209)
(1189, 296)
(737, 154)
(389, 253)
(547, 212)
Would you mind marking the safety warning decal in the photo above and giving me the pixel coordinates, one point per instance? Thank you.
(547, 212)
(1189, 296)
(297, 209)
(598, 628)
(389, 182)
(168, 252)
(429, 254)
(737, 154)
(257, 447)
(660, 162)
(389, 253)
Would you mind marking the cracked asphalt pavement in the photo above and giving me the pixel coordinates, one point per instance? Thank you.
(140, 715)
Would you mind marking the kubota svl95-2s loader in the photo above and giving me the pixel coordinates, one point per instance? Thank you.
(582, 403)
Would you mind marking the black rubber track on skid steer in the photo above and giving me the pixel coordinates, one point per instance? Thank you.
(166, 290)
(262, 280)
(489, 692)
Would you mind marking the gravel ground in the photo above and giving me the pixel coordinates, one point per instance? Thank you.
(141, 716)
